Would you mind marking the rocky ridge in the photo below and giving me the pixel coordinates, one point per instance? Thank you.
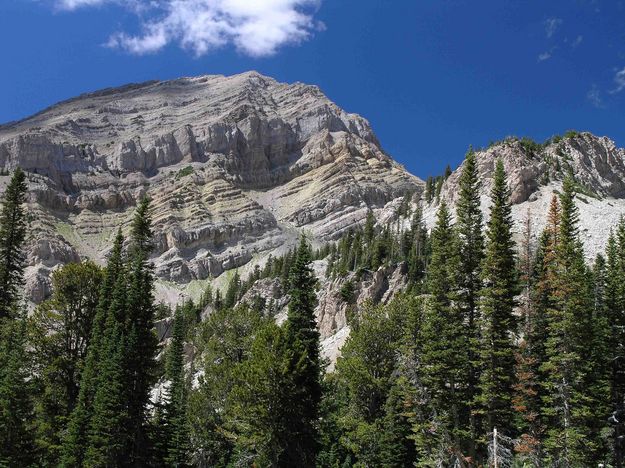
(535, 173)
(237, 167)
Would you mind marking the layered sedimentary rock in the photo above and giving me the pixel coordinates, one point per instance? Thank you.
(237, 167)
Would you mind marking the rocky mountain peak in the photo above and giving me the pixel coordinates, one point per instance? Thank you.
(535, 173)
(236, 166)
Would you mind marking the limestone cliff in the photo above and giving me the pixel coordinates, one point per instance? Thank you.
(236, 166)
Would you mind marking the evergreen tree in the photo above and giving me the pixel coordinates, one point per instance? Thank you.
(267, 416)
(141, 343)
(75, 441)
(16, 412)
(529, 356)
(568, 405)
(614, 293)
(443, 433)
(232, 293)
(61, 328)
(417, 255)
(303, 338)
(175, 418)
(12, 235)
(16, 441)
(471, 245)
(497, 304)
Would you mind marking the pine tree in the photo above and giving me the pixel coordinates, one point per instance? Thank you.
(266, 416)
(141, 343)
(16, 441)
(108, 435)
(471, 240)
(12, 235)
(444, 430)
(175, 419)
(417, 255)
(16, 412)
(60, 332)
(232, 293)
(529, 356)
(569, 440)
(615, 309)
(303, 338)
(75, 442)
(497, 305)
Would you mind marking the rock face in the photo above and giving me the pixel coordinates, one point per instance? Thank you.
(236, 167)
(535, 174)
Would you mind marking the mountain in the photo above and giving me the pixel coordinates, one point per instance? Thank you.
(237, 167)
(535, 173)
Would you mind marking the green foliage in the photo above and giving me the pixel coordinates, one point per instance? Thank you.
(471, 249)
(12, 235)
(497, 303)
(347, 291)
(569, 134)
(174, 420)
(60, 333)
(16, 389)
(185, 171)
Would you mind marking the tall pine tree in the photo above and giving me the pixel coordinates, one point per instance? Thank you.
(469, 226)
(76, 439)
(12, 235)
(141, 341)
(497, 304)
(443, 432)
(16, 441)
(303, 338)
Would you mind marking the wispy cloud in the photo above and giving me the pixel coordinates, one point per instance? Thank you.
(544, 56)
(255, 27)
(619, 80)
(577, 41)
(551, 26)
(594, 97)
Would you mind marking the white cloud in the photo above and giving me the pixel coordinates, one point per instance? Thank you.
(619, 79)
(577, 41)
(551, 26)
(73, 4)
(255, 27)
(594, 97)
(544, 56)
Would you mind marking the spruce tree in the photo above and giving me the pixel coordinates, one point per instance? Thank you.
(471, 245)
(232, 293)
(569, 440)
(16, 441)
(443, 433)
(12, 235)
(303, 338)
(529, 356)
(615, 309)
(75, 442)
(141, 341)
(175, 417)
(16, 389)
(60, 332)
(497, 303)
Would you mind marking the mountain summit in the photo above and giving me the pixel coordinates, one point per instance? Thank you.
(237, 167)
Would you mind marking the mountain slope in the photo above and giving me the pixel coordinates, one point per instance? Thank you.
(236, 166)
(535, 173)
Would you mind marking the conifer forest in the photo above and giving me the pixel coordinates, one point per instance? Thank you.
(500, 352)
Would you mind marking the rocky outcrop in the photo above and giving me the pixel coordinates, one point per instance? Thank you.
(236, 167)
(535, 173)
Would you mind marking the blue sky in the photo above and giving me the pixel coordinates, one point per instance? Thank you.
(431, 76)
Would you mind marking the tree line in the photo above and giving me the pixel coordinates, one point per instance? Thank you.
(495, 352)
